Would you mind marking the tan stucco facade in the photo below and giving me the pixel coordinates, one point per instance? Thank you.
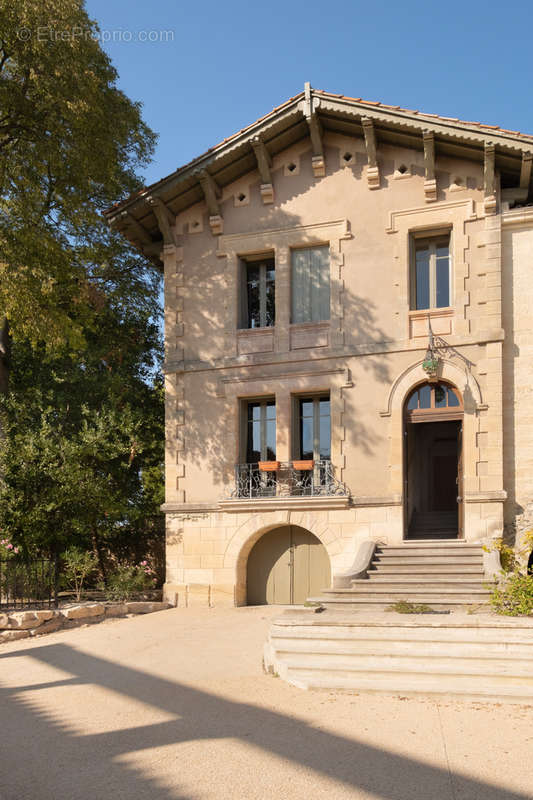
(365, 206)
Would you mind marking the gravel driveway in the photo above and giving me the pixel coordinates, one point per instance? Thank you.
(174, 706)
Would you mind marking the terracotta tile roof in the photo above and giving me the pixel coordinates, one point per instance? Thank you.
(424, 114)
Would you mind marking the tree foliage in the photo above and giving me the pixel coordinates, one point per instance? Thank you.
(82, 423)
(71, 144)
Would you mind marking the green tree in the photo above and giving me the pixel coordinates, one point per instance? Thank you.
(71, 144)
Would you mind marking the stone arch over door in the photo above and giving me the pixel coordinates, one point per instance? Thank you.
(467, 385)
(241, 543)
(286, 566)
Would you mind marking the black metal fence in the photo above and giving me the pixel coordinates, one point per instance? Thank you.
(28, 583)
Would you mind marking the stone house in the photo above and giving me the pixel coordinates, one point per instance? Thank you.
(349, 346)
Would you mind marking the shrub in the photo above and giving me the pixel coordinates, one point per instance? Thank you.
(514, 595)
(129, 581)
(78, 566)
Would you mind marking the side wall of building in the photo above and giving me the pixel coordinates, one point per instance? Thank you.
(518, 369)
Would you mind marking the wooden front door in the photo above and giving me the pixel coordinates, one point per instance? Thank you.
(286, 566)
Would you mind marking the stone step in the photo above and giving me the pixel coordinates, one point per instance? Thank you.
(464, 687)
(408, 583)
(382, 602)
(416, 549)
(386, 590)
(344, 626)
(427, 569)
(287, 643)
(413, 560)
(375, 664)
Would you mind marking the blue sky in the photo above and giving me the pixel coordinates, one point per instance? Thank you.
(231, 62)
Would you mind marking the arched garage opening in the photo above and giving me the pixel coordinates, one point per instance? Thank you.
(286, 566)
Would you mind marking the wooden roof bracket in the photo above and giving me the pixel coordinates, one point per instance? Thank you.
(264, 164)
(212, 194)
(138, 235)
(430, 180)
(525, 170)
(372, 171)
(318, 159)
(165, 219)
(489, 178)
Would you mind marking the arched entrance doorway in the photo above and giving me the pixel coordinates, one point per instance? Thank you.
(433, 461)
(286, 566)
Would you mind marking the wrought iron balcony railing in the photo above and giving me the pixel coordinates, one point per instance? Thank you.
(319, 481)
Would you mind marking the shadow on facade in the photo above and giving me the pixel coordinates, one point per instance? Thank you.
(53, 760)
(211, 439)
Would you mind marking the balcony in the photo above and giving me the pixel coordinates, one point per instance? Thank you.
(251, 482)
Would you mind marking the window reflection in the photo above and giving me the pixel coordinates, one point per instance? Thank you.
(261, 432)
(430, 396)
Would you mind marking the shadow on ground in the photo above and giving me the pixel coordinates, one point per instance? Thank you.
(49, 747)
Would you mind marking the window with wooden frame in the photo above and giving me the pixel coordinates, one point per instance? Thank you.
(259, 430)
(258, 292)
(431, 275)
(314, 428)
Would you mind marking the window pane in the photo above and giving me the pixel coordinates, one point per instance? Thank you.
(271, 440)
(324, 437)
(425, 396)
(443, 281)
(270, 295)
(306, 437)
(453, 400)
(252, 286)
(306, 408)
(440, 397)
(324, 407)
(254, 442)
(310, 284)
(413, 401)
(271, 409)
(422, 278)
(254, 411)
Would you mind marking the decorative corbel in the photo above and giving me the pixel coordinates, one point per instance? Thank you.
(165, 219)
(430, 181)
(489, 178)
(264, 163)
(372, 172)
(318, 160)
(212, 193)
(525, 170)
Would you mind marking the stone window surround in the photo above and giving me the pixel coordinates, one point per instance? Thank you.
(281, 241)
(451, 215)
(284, 386)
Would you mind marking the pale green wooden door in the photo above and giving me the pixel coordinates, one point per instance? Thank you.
(286, 566)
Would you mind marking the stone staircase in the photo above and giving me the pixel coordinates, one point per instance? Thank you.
(444, 575)
(481, 658)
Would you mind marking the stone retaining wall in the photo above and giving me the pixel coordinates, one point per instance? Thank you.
(21, 624)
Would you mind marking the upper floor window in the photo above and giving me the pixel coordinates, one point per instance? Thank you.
(430, 272)
(315, 428)
(261, 431)
(310, 284)
(258, 293)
